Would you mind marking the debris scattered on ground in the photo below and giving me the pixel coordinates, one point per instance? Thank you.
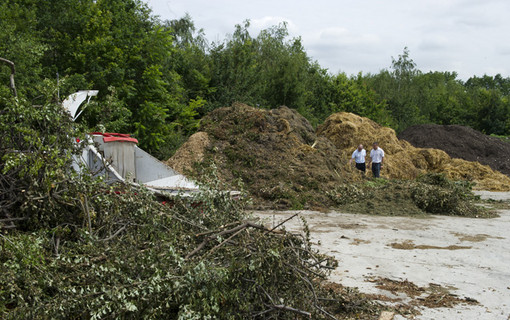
(461, 142)
(430, 193)
(433, 296)
(409, 245)
(473, 238)
(395, 286)
(354, 304)
(403, 161)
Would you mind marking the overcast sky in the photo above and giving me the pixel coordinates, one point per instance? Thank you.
(470, 37)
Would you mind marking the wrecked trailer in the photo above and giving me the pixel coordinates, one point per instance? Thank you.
(117, 158)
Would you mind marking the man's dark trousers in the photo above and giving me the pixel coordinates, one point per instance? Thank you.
(376, 169)
(361, 166)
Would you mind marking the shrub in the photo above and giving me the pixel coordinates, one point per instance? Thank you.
(434, 193)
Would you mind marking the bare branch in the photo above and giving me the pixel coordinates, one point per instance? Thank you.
(13, 72)
(85, 206)
(326, 313)
(225, 241)
(116, 233)
(233, 230)
(281, 223)
(290, 309)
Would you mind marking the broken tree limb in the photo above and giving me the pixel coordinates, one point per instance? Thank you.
(225, 241)
(85, 207)
(281, 223)
(13, 72)
(213, 231)
(290, 309)
(116, 233)
(224, 232)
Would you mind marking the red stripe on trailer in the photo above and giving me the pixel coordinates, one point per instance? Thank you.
(111, 136)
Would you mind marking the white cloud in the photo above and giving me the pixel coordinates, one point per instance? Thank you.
(342, 38)
(269, 21)
(434, 43)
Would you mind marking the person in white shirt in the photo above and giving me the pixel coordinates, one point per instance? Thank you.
(359, 157)
(377, 159)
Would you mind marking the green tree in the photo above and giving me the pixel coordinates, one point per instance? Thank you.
(36, 149)
(235, 72)
(21, 42)
(441, 96)
(402, 101)
(114, 43)
(353, 95)
(190, 59)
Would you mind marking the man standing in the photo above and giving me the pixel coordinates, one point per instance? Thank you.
(359, 156)
(377, 159)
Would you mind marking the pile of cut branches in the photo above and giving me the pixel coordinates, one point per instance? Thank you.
(144, 259)
(81, 248)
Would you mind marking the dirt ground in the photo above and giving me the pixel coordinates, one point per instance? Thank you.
(430, 267)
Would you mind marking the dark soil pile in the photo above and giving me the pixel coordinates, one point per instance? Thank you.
(274, 152)
(461, 142)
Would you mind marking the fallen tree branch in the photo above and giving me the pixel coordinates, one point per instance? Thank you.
(225, 241)
(325, 312)
(290, 309)
(281, 223)
(228, 231)
(213, 231)
(13, 72)
(85, 207)
(13, 219)
(116, 233)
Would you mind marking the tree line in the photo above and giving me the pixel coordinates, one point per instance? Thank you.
(158, 78)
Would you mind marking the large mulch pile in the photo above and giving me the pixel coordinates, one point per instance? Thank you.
(461, 142)
(403, 161)
(193, 151)
(275, 152)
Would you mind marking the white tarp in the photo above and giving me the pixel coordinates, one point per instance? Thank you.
(176, 182)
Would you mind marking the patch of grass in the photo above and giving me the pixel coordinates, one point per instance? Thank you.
(502, 138)
(376, 183)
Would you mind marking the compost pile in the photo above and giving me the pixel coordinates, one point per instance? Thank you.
(461, 142)
(403, 161)
(194, 151)
(275, 152)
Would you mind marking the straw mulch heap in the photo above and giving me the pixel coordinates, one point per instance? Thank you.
(461, 142)
(403, 161)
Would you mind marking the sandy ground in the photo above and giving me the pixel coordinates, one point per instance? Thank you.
(471, 257)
